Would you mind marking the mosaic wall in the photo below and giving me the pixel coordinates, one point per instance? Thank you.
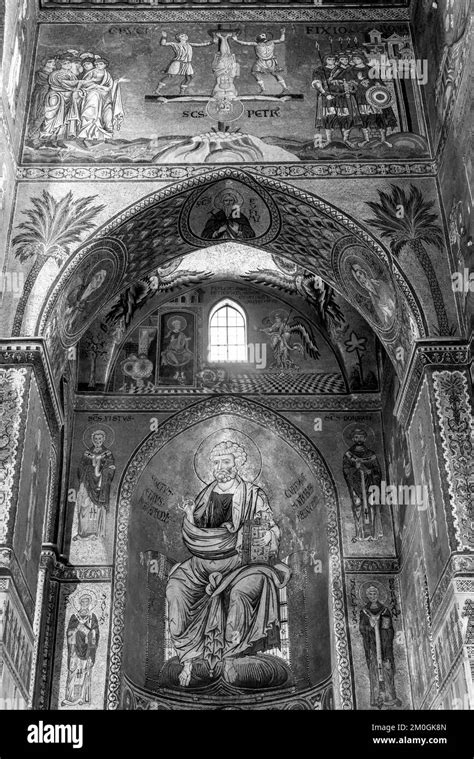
(81, 663)
(223, 93)
(217, 511)
(34, 489)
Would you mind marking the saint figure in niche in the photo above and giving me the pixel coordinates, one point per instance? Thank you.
(361, 470)
(96, 472)
(228, 222)
(82, 640)
(376, 628)
(176, 353)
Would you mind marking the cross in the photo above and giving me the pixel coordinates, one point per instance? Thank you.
(224, 94)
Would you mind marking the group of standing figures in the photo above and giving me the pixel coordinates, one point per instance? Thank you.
(342, 83)
(225, 66)
(75, 96)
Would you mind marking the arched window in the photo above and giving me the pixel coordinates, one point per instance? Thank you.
(227, 332)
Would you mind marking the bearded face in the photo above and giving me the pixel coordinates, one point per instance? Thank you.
(224, 468)
(359, 439)
(228, 202)
(98, 440)
(84, 604)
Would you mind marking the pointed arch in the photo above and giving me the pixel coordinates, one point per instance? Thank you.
(150, 233)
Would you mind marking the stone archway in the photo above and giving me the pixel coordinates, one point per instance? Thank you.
(207, 410)
(301, 227)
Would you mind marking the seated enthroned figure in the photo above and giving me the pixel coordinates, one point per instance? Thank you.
(219, 607)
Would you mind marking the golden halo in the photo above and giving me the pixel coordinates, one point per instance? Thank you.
(383, 593)
(88, 432)
(357, 286)
(79, 594)
(87, 278)
(349, 431)
(176, 318)
(239, 199)
(250, 471)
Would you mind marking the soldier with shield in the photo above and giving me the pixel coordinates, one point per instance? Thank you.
(373, 100)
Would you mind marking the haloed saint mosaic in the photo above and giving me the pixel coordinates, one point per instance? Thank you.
(226, 573)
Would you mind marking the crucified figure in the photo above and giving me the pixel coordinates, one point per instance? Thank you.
(181, 64)
(225, 68)
(266, 62)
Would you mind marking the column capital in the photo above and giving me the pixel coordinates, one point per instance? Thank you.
(429, 354)
(32, 352)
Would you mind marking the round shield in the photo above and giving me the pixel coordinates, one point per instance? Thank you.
(379, 97)
(223, 109)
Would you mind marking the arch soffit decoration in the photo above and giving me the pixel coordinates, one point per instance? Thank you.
(166, 299)
(293, 235)
(150, 446)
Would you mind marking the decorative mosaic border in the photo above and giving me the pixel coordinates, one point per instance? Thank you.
(459, 564)
(463, 563)
(434, 352)
(148, 449)
(316, 699)
(371, 565)
(64, 573)
(411, 298)
(429, 617)
(426, 392)
(37, 629)
(52, 504)
(464, 585)
(13, 384)
(159, 404)
(32, 352)
(442, 597)
(456, 425)
(272, 15)
(441, 590)
(303, 170)
(46, 644)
